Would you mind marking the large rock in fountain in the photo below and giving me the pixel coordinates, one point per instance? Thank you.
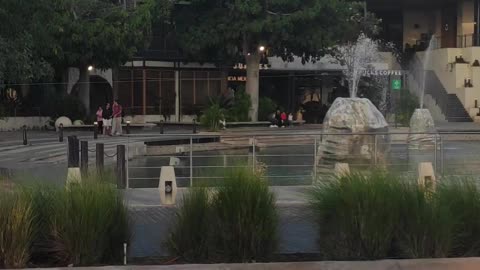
(344, 123)
(421, 122)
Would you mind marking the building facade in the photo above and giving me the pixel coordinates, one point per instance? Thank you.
(159, 82)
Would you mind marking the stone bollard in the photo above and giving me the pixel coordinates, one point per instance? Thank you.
(342, 169)
(162, 124)
(167, 185)
(426, 176)
(194, 128)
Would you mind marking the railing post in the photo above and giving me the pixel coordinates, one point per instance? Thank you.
(375, 150)
(84, 158)
(442, 155)
(435, 154)
(254, 161)
(121, 177)
(191, 161)
(99, 157)
(25, 139)
(60, 133)
(315, 160)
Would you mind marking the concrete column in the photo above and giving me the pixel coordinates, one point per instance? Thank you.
(177, 96)
(144, 92)
(253, 80)
(476, 19)
(84, 89)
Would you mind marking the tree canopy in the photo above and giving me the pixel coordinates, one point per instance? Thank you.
(37, 36)
(232, 29)
(24, 40)
(104, 33)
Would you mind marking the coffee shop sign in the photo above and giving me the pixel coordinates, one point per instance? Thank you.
(385, 72)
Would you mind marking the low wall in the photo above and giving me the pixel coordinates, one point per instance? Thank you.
(437, 264)
(16, 123)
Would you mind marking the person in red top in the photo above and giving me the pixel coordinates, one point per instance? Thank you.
(117, 118)
(283, 117)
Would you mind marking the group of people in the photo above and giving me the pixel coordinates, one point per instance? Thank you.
(281, 119)
(110, 119)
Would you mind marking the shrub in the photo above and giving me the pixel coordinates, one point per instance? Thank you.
(357, 215)
(245, 218)
(237, 223)
(191, 230)
(241, 107)
(266, 106)
(212, 116)
(16, 229)
(407, 105)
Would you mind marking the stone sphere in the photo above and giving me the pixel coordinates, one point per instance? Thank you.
(78, 123)
(65, 121)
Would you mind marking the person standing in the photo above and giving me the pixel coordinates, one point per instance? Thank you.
(107, 120)
(117, 119)
(100, 119)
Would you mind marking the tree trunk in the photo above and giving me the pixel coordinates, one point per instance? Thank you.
(84, 89)
(115, 72)
(253, 67)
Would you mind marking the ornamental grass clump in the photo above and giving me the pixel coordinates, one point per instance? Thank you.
(192, 228)
(379, 215)
(236, 222)
(84, 224)
(245, 218)
(357, 215)
(16, 229)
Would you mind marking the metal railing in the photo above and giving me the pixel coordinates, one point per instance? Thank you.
(293, 158)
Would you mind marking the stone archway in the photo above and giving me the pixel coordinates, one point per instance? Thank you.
(101, 92)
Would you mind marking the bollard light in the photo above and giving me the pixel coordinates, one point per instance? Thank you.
(128, 127)
(194, 129)
(95, 130)
(168, 187)
(161, 126)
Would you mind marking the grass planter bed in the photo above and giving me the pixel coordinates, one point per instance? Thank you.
(378, 216)
(83, 225)
(235, 223)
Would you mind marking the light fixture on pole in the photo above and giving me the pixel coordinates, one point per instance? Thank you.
(261, 48)
(90, 68)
